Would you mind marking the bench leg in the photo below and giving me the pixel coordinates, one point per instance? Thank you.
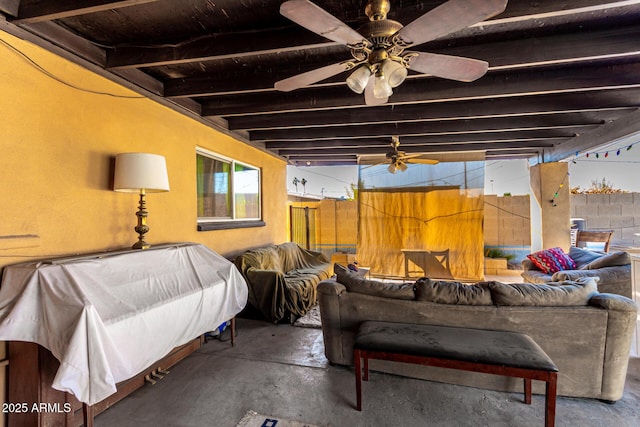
(358, 368)
(527, 391)
(550, 400)
(366, 368)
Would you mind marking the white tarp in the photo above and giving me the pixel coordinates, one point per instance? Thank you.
(108, 318)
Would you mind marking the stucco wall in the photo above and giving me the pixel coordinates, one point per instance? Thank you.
(57, 146)
(58, 143)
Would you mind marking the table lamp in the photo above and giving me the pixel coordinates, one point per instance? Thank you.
(141, 173)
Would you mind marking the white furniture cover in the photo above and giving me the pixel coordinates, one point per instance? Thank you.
(108, 317)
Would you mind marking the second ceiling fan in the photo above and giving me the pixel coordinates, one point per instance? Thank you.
(380, 60)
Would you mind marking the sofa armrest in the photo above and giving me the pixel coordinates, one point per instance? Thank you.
(527, 265)
(621, 324)
(613, 302)
(329, 297)
(535, 276)
(331, 287)
(266, 289)
(613, 280)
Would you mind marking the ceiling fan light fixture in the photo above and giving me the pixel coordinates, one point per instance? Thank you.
(402, 166)
(358, 80)
(392, 168)
(394, 72)
(381, 87)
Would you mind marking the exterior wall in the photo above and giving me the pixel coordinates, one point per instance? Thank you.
(507, 224)
(58, 145)
(338, 226)
(619, 212)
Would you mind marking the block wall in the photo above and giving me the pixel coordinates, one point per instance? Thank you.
(619, 212)
(507, 224)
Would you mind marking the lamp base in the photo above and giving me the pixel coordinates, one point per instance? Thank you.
(142, 227)
(141, 245)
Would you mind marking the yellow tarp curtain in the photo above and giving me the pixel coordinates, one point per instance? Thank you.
(420, 220)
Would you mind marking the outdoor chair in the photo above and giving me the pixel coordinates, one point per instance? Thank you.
(589, 236)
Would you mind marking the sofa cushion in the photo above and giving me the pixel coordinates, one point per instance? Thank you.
(356, 283)
(552, 260)
(582, 256)
(444, 292)
(609, 260)
(568, 293)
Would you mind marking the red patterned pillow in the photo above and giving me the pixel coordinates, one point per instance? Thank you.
(552, 260)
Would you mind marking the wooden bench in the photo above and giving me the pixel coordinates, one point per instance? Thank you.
(493, 352)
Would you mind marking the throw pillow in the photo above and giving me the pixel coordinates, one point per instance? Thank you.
(356, 283)
(582, 256)
(552, 260)
(568, 293)
(443, 292)
(609, 260)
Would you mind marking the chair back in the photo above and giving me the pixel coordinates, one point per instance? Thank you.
(588, 236)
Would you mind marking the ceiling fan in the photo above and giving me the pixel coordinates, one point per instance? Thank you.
(380, 60)
(398, 160)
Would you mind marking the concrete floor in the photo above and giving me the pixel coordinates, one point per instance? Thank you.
(281, 370)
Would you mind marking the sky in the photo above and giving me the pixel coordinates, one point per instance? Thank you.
(620, 169)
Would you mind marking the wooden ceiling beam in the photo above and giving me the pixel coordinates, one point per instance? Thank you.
(10, 7)
(426, 148)
(573, 122)
(626, 128)
(223, 46)
(217, 47)
(493, 85)
(616, 101)
(409, 142)
(558, 49)
(40, 11)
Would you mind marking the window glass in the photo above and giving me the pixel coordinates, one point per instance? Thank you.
(247, 192)
(227, 190)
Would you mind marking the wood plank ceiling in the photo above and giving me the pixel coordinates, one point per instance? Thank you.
(564, 76)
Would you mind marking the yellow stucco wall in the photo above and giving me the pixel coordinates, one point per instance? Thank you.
(57, 145)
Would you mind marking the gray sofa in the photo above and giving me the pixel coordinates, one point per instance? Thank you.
(587, 334)
(613, 269)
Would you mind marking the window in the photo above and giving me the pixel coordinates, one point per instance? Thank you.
(228, 193)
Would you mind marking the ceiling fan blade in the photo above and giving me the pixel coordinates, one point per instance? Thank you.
(415, 158)
(369, 99)
(447, 66)
(449, 17)
(310, 77)
(316, 19)
(423, 161)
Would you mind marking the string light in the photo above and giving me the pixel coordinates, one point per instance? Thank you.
(555, 195)
(604, 154)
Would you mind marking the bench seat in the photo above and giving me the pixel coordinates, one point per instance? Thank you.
(494, 352)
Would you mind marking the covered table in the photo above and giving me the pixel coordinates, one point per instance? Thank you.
(109, 316)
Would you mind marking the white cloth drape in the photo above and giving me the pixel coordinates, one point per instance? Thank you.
(108, 318)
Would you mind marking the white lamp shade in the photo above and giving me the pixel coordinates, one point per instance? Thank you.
(381, 88)
(140, 171)
(358, 80)
(394, 72)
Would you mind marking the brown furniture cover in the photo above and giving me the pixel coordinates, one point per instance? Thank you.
(283, 279)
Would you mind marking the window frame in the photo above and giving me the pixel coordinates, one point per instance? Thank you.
(213, 223)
